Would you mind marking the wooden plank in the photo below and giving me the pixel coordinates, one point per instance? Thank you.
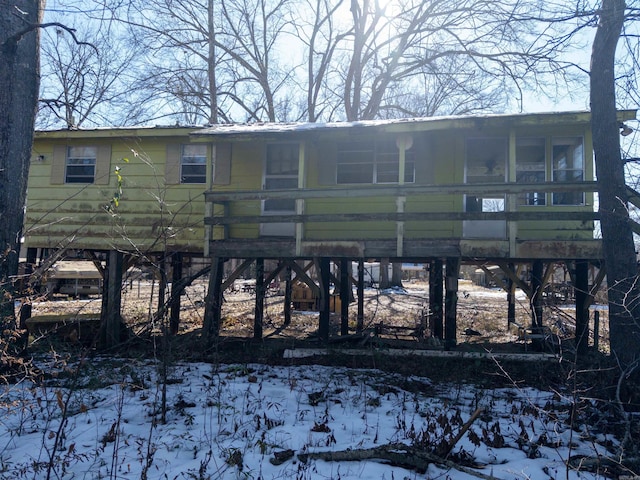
(213, 303)
(378, 191)
(301, 275)
(111, 313)
(325, 310)
(236, 274)
(415, 249)
(345, 296)
(436, 305)
(360, 289)
(518, 357)
(260, 294)
(452, 272)
(581, 292)
(529, 215)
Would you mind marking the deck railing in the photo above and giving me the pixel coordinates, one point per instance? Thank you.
(512, 212)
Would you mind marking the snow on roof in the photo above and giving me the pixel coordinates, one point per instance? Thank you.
(294, 127)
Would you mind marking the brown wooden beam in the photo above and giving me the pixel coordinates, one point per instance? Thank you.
(110, 315)
(545, 216)
(597, 283)
(451, 302)
(345, 296)
(360, 288)
(213, 303)
(176, 292)
(581, 292)
(511, 298)
(287, 295)
(537, 286)
(514, 276)
(301, 275)
(436, 305)
(236, 273)
(325, 312)
(378, 191)
(260, 294)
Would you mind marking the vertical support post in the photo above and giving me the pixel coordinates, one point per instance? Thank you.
(581, 293)
(162, 282)
(287, 296)
(176, 292)
(110, 316)
(511, 199)
(213, 303)
(260, 292)
(536, 296)
(300, 204)
(403, 142)
(435, 298)
(325, 314)
(596, 330)
(360, 288)
(345, 296)
(26, 308)
(511, 298)
(451, 302)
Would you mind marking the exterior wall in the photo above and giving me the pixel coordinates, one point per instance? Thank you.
(153, 214)
(439, 157)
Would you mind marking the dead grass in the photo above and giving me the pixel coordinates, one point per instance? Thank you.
(391, 314)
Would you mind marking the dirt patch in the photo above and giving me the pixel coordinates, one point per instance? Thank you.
(395, 316)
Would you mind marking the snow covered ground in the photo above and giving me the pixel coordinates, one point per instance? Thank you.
(104, 420)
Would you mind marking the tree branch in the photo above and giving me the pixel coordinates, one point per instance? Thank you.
(33, 26)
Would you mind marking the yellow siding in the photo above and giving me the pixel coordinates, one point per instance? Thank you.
(154, 215)
(151, 215)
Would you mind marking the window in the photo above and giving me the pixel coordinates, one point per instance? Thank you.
(486, 161)
(531, 168)
(568, 166)
(373, 162)
(193, 164)
(281, 171)
(80, 165)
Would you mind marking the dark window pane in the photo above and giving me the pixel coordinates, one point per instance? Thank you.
(193, 164)
(355, 173)
(568, 166)
(80, 164)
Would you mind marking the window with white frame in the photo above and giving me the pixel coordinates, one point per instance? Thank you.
(193, 164)
(568, 166)
(80, 164)
(367, 161)
(281, 172)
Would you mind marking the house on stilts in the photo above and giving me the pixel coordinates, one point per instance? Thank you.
(512, 191)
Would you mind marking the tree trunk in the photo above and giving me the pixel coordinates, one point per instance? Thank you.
(19, 84)
(396, 274)
(384, 274)
(617, 236)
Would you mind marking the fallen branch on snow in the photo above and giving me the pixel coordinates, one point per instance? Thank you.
(396, 454)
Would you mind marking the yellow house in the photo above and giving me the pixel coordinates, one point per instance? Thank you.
(496, 186)
(131, 189)
(491, 189)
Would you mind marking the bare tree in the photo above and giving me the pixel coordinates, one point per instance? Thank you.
(420, 40)
(617, 235)
(19, 78)
(321, 37)
(87, 81)
(213, 57)
(181, 65)
(447, 86)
